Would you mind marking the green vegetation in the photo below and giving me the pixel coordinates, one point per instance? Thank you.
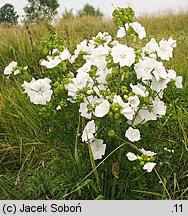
(67, 14)
(8, 14)
(40, 157)
(41, 9)
(89, 10)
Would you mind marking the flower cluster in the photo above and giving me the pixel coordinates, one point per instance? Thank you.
(145, 159)
(113, 79)
(56, 58)
(12, 68)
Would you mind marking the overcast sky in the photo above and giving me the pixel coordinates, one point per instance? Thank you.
(140, 6)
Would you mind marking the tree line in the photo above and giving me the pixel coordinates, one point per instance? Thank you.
(38, 10)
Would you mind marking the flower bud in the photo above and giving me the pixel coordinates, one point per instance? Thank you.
(115, 71)
(124, 89)
(70, 75)
(146, 99)
(62, 103)
(110, 114)
(142, 163)
(117, 116)
(108, 77)
(111, 133)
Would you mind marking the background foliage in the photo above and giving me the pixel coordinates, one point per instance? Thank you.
(41, 9)
(8, 15)
(39, 155)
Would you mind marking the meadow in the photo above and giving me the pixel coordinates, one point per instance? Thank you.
(40, 155)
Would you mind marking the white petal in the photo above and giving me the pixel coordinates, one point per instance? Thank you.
(102, 109)
(16, 72)
(148, 153)
(121, 32)
(178, 82)
(39, 99)
(47, 95)
(98, 148)
(128, 112)
(133, 134)
(149, 166)
(89, 131)
(9, 68)
(131, 156)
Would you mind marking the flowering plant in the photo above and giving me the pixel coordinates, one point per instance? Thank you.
(115, 83)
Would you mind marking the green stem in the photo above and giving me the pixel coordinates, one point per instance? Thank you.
(93, 164)
(116, 178)
(130, 144)
(126, 36)
(162, 184)
(77, 186)
(76, 147)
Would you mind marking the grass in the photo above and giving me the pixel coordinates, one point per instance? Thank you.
(40, 157)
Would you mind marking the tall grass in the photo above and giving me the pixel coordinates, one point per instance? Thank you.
(37, 156)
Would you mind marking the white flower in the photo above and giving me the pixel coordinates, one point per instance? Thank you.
(101, 75)
(178, 82)
(172, 42)
(81, 81)
(82, 47)
(117, 99)
(139, 90)
(115, 43)
(149, 166)
(98, 148)
(146, 115)
(159, 107)
(165, 50)
(121, 32)
(178, 79)
(105, 37)
(131, 156)
(99, 88)
(65, 55)
(133, 101)
(85, 68)
(148, 153)
(26, 85)
(89, 131)
(39, 91)
(8, 70)
(158, 86)
(139, 29)
(171, 74)
(123, 55)
(128, 112)
(53, 51)
(144, 68)
(58, 107)
(150, 48)
(133, 134)
(159, 71)
(52, 62)
(98, 53)
(100, 63)
(102, 109)
(85, 112)
(16, 72)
